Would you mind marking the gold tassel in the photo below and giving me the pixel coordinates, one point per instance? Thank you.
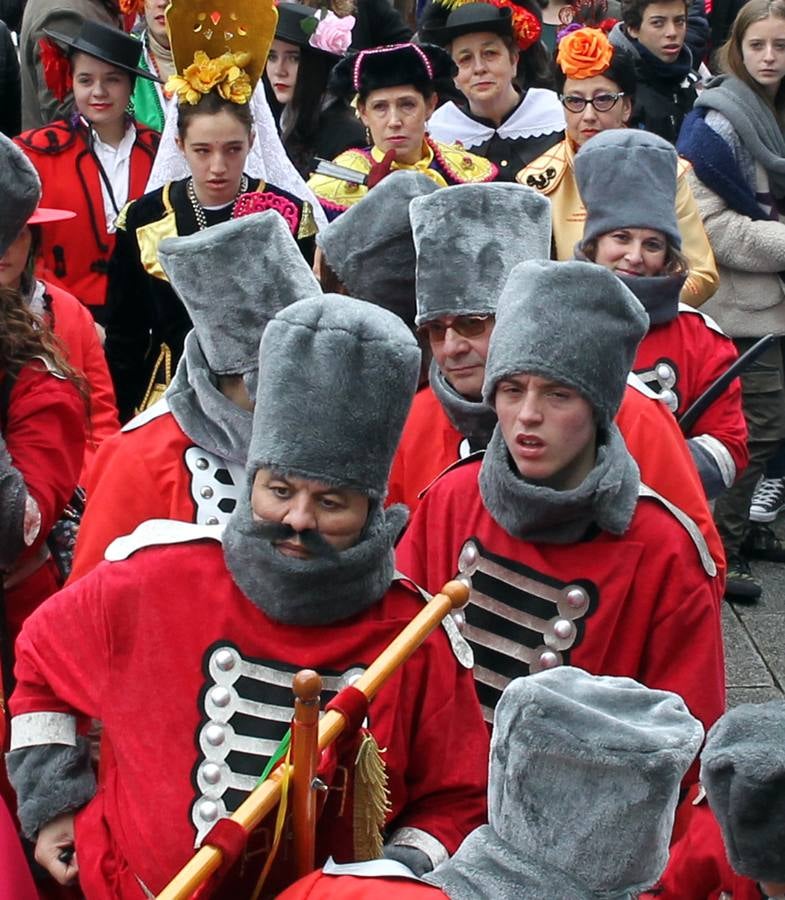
(371, 799)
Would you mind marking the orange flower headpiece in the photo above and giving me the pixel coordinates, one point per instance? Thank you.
(226, 74)
(584, 53)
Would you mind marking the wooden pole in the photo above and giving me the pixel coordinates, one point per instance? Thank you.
(263, 799)
(307, 687)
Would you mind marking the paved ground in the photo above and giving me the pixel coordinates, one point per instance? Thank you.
(755, 638)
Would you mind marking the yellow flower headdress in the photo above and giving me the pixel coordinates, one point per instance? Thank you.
(219, 45)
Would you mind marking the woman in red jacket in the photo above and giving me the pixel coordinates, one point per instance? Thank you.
(93, 163)
(70, 321)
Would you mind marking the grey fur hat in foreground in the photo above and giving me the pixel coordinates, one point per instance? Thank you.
(609, 164)
(370, 246)
(336, 380)
(743, 771)
(233, 278)
(585, 773)
(468, 239)
(573, 322)
(20, 191)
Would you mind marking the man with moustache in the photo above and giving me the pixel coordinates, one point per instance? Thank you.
(192, 683)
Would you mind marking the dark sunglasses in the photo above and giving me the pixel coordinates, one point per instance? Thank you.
(465, 326)
(602, 102)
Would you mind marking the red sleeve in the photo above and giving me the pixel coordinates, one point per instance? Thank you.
(424, 553)
(45, 437)
(318, 886)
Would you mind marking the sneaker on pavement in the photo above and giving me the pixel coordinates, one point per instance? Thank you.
(762, 543)
(741, 586)
(768, 500)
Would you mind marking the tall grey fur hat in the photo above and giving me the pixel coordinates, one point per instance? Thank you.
(233, 278)
(336, 379)
(573, 322)
(370, 247)
(20, 191)
(585, 773)
(468, 239)
(743, 771)
(608, 167)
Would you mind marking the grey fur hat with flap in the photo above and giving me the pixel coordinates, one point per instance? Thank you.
(370, 246)
(233, 278)
(572, 322)
(743, 771)
(336, 379)
(20, 191)
(468, 239)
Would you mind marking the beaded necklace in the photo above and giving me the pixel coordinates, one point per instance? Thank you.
(201, 218)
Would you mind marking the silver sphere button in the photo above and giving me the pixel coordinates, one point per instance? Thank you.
(664, 372)
(469, 556)
(211, 773)
(225, 660)
(206, 492)
(215, 735)
(563, 629)
(669, 399)
(549, 660)
(211, 520)
(220, 696)
(202, 463)
(208, 811)
(577, 598)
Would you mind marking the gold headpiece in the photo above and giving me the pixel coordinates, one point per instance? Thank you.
(221, 44)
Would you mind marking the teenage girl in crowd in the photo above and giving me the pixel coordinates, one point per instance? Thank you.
(105, 156)
(735, 143)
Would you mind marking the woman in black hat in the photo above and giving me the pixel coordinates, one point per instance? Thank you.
(312, 121)
(94, 162)
(504, 116)
(396, 91)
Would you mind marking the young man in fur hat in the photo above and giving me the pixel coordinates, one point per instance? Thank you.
(583, 784)
(193, 689)
(490, 228)
(184, 457)
(571, 559)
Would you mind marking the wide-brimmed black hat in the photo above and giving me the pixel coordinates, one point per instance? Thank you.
(473, 18)
(107, 44)
(290, 24)
(390, 66)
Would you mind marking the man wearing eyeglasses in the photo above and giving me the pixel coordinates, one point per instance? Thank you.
(597, 84)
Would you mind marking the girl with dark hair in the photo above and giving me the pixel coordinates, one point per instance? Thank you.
(502, 114)
(93, 162)
(312, 121)
(734, 140)
(215, 134)
(596, 83)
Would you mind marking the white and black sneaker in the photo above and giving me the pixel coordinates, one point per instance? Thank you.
(768, 501)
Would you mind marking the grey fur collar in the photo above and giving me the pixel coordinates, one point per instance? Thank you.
(472, 418)
(486, 867)
(201, 410)
(606, 498)
(317, 591)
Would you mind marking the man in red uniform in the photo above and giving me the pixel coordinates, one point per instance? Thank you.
(584, 779)
(184, 457)
(571, 559)
(192, 685)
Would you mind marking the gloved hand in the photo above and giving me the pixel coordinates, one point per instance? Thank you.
(411, 857)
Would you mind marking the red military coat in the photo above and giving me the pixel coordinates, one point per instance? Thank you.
(638, 605)
(151, 470)
(76, 252)
(679, 360)
(366, 881)
(142, 644)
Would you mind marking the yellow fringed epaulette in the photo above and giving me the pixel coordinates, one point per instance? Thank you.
(307, 227)
(462, 166)
(371, 800)
(546, 172)
(339, 194)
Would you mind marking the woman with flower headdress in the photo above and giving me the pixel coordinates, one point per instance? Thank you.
(502, 118)
(95, 161)
(313, 122)
(396, 93)
(596, 84)
(215, 131)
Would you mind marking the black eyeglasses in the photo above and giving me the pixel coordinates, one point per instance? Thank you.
(602, 102)
(465, 326)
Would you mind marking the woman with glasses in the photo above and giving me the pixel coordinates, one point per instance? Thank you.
(597, 90)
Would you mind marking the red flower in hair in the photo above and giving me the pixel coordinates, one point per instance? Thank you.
(57, 69)
(526, 27)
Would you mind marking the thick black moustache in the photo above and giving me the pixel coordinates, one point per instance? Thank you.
(312, 541)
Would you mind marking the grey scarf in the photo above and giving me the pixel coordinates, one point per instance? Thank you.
(319, 590)
(209, 419)
(472, 418)
(486, 867)
(753, 120)
(606, 497)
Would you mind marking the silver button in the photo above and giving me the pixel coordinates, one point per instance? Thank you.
(208, 811)
(549, 660)
(211, 773)
(206, 492)
(225, 660)
(201, 463)
(211, 520)
(563, 629)
(215, 735)
(503, 163)
(577, 598)
(664, 372)
(220, 696)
